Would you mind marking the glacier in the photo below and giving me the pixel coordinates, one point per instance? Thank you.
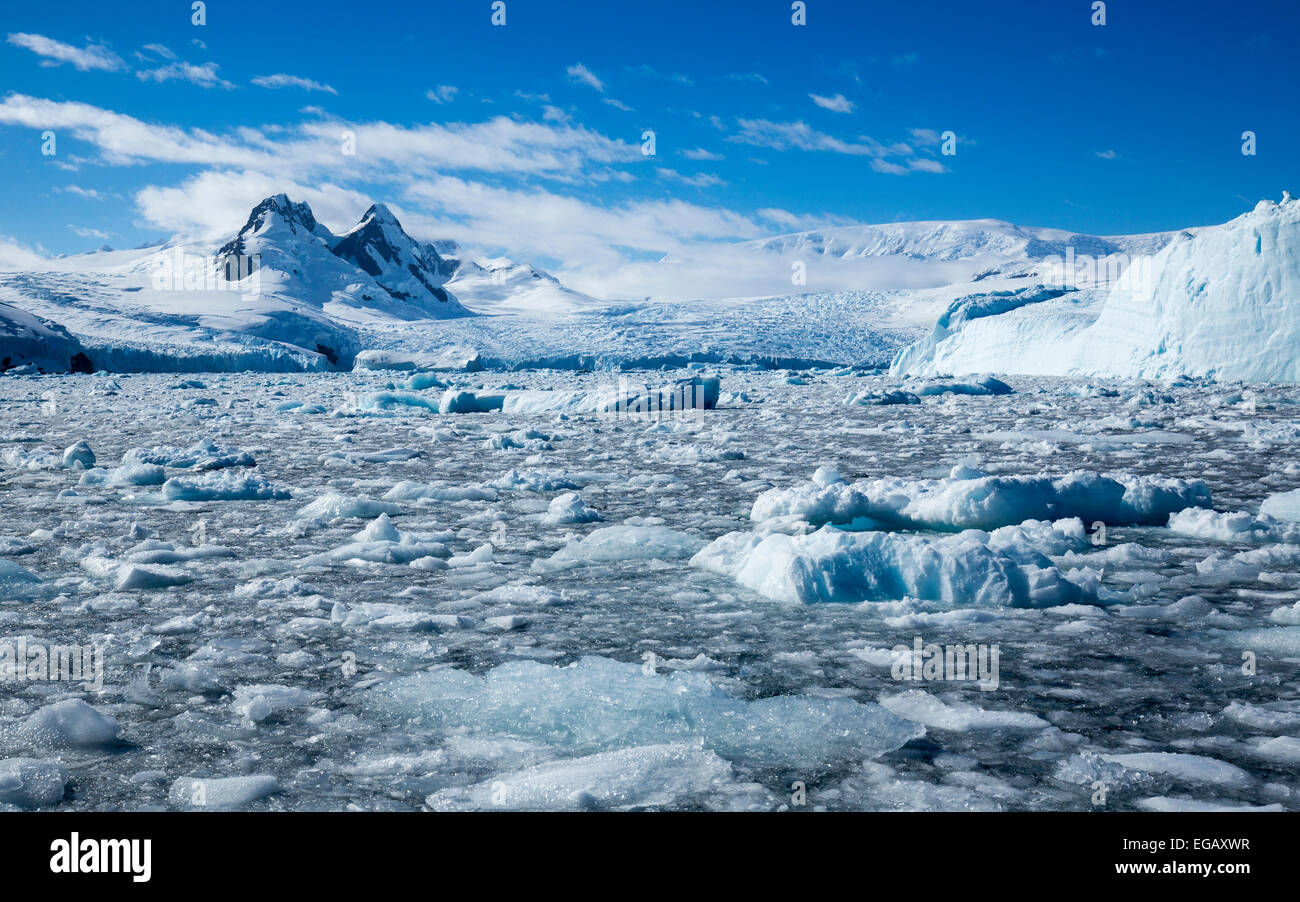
(1220, 303)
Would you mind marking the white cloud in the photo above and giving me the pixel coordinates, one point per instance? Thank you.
(442, 93)
(12, 253)
(92, 56)
(699, 153)
(87, 193)
(214, 204)
(204, 75)
(618, 105)
(837, 104)
(703, 180)
(579, 72)
(383, 150)
(86, 232)
(800, 136)
(281, 80)
(1107, 154)
(160, 50)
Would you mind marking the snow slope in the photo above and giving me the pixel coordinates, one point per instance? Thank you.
(1222, 303)
(27, 340)
(497, 285)
(985, 243)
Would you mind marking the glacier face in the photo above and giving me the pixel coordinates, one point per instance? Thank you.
(1223, 303)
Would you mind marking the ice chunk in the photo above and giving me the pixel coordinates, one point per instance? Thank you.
(199, 793)
(17, 582)
(983, 386)
(1284, 506)
(407, 490)
(202, 457)
(382, 542)
(1181, 766)
(925, 708)
(264, 700)
(985, 502)
(883, 398)
(333, 505)
(629, 543)
(138, 576)
(598, 705)
(381, 529)
(79, 456)
(569, 508)
(391, 400)
(1238, 526)
(462, 401)
(649, 776)
(126, 475)
(70, 722)
(831, 565)
(31, 782)
(1176, 803)
(221, 487)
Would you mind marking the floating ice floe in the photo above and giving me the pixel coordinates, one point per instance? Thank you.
(569, 508)
(335, 505)
(78, 456)
(382, 542)
(200, 793)
(1181, 803)
(648, 776)
(535, 481)
(392, 400)
(408, 490)
(139, 576)
(31, 782)
(624, 543)
(125, 475)
(695, 393)
(960, 717)
(17, 583)
(981, 569)
(883, 398)
(598, 705)
(203, 456)
(262, 701)
(985, 385)
(970, 499)
(69, 723)
(221, 487)
(1238, 526)
(1181, 766)
(1284, 506)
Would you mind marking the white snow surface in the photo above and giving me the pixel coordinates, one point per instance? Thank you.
(1221, 303)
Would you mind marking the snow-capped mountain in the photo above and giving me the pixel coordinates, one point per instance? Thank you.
(498, 285)
(375, 266)
(407, 270)
(1222, 302)
(985, 240)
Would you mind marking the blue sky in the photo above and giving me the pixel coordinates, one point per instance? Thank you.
(527, 138)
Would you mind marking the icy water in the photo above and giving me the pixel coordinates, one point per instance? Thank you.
(427, 661)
